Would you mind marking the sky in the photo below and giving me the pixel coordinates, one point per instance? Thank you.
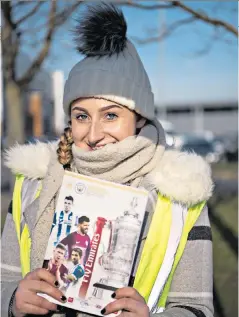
(178, 74)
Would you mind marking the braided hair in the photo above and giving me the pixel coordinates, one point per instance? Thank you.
(64, 150)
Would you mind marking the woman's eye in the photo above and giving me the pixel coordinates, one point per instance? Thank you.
(111, 116)
(81, 117)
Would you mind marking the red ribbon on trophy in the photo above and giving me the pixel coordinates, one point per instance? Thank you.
(94, 245)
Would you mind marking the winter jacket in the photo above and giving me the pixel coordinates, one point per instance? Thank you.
(185, 178)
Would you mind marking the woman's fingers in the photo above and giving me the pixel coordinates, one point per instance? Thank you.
(41, 274)
(127, 304)
(128, 292)
(27, 301)
(36, 286)
(39, 301)
(129, 301)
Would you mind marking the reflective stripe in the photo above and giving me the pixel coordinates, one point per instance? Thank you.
(155, 244)
(191, 294)
(16, 205)
(11, 268)
(23, 234)
(38, 190)
(192, 216)
(178, 217)
(25, 249)
(30, 191)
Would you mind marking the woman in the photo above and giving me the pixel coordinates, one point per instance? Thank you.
(112, 135)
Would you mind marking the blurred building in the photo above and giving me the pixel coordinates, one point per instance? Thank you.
(42, 84)
(219, 118)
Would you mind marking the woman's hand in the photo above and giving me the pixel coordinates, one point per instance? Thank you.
(49, 267)
(26, 300)
(58, 274)
(129, 301)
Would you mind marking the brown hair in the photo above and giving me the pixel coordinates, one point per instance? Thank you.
(64, 151)
(61, 246)
(77, 250)
(83, 219)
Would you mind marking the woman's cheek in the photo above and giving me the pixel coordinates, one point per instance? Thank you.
(78, 132)
(121, 130)
(78, 135)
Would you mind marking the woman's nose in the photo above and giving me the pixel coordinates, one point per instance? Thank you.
(96, 133)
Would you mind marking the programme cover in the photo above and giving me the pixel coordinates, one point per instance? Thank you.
(93, 240)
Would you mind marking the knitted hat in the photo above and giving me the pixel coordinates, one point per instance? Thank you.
(112, 68)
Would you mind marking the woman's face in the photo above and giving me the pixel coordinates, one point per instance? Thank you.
(97, 122)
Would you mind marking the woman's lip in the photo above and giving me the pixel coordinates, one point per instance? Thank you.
(95, 147)
(99, 146)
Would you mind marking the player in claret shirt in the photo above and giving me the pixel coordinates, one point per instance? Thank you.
(56, 264)
(79, 239)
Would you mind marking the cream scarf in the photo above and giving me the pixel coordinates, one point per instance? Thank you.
(126, 161)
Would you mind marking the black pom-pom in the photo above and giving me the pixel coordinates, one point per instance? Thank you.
(102, 31)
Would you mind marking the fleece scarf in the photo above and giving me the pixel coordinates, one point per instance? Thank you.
(126, 161)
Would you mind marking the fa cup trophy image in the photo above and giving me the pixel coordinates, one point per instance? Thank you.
(117, 260)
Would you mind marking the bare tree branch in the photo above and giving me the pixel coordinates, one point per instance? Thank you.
(7, 13)
(62, 16)
(55, 20)
(166, 32)
(205, 18)
(10, 42)
(21, 3)
(30, 13)
(208, 46)
(172, 4)
(143, 6)
(30, 73)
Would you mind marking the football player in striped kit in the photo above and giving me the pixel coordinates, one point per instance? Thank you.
(63, 220)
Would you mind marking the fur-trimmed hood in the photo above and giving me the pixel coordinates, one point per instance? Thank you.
(184, 177)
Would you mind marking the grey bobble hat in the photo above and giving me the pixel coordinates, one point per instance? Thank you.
(112, 68)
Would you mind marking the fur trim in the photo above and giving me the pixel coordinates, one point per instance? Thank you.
(184, 177)
(120, 100)
(30, 160)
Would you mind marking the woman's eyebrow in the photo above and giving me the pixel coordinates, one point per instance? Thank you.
(110, 107)
(80, 109)
(101, 109)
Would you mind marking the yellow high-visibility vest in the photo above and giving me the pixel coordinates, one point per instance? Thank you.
(149, 266)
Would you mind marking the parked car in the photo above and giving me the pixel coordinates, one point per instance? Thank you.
(200, 146)
(231, 147)
(226, 146)
(219, 147)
